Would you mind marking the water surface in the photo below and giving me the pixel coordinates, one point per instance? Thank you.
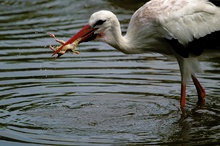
(100, 97)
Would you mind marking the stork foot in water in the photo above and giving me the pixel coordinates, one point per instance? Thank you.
(200, 90)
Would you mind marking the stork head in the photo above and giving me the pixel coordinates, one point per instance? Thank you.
(100, 27)
(104, 22)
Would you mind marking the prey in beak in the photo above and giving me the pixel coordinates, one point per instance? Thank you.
(68, 48)
(84, 35)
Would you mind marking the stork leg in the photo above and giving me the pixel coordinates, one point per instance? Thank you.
(200, 90)
(183, 95)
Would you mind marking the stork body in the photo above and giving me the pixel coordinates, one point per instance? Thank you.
(183, 29)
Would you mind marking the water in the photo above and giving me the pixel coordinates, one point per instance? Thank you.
(100, 97)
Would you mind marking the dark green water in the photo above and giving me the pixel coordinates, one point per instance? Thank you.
(100, 97)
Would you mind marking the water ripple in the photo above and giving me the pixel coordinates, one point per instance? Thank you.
(100, 97)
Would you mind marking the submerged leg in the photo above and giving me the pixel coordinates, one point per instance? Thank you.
(200, 91)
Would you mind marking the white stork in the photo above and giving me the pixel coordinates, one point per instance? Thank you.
(184, 29)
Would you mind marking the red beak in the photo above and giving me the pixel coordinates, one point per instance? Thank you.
(85, 34)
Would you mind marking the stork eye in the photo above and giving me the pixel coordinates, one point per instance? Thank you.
(99, 22)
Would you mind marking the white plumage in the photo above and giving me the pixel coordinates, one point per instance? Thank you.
(169, 27)
(195, 19)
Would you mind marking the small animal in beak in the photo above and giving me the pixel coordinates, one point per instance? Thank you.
(67, 48)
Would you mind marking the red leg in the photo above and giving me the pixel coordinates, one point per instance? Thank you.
(183, 95)
(200, 91)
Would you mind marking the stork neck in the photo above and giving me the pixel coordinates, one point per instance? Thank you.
(120, 42)
(135, 41)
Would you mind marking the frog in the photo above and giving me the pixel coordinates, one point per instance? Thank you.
(67, 48)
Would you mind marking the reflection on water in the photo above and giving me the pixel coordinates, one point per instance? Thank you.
(98, 97)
